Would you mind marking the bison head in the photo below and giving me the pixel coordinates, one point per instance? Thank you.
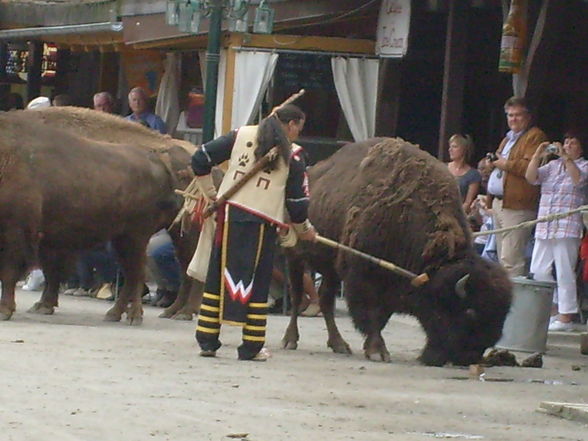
(463, 309)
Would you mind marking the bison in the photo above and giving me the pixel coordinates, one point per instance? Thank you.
(61, 192)
(388, 198)
(176, 154)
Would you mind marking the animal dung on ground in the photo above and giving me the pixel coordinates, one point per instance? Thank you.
(534, 361)
(500, 357)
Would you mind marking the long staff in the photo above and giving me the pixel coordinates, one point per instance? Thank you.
(415, 280)
(258, 166)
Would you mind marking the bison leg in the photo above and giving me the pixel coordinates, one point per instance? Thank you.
(433, 355)
(296, 273)
(187, 302)
(131, 255)
(55, 265)
(184, 308)
(327, 293)
(9, 278)
(368, 316)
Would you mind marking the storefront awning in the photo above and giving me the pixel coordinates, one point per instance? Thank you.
(97, 35)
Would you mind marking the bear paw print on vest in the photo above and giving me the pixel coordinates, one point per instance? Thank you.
(243, 160)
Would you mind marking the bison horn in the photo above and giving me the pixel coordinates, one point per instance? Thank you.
(460, 286)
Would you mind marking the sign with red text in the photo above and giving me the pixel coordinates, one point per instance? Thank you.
(393, 28)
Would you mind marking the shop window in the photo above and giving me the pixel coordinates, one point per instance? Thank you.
(325, 124)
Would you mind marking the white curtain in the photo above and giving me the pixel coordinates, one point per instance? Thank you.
(220, 94)
(356, 81)
(168, 106)
(253, 72)
(202, 63)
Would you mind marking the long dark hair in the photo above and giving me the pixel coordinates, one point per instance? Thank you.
(270, 132)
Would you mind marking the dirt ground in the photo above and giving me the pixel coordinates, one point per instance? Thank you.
(72, 376)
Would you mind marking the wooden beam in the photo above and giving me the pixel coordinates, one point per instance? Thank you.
(229, 84)
(304, 42)
(274, 41)
(34, 69)
(454, 74)
(388, 97)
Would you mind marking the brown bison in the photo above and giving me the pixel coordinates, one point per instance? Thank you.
(176, 154)
(390, 199)
(60, 193)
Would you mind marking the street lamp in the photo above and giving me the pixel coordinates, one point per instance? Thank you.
(264, 19)
(187, 15)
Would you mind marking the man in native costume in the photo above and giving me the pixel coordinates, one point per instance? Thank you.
(240, 267)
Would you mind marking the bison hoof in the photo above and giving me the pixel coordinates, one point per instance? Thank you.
(135, 321)
(167, 313)
(182, 315)
(40, 308)
(432, 357)
(5, 314)
(340, 347)
(289, 344)
(112, 317)
(383, 355)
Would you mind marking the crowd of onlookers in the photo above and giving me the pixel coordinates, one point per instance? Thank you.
(529, 177)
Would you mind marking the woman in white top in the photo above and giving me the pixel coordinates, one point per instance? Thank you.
(563, 188)
(468, 178)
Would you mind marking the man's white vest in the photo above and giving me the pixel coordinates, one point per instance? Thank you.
(264, 194)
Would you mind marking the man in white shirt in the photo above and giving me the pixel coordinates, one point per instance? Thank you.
(512, 198)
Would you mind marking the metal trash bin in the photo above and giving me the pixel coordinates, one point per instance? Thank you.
(525, 327)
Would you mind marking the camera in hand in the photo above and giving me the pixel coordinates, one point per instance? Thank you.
(552, 148)
(491, 156)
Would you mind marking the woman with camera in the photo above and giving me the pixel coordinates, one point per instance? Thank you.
(468, 178)
(563, 188)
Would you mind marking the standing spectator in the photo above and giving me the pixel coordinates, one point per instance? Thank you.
(514, 200)
(141, 114)
(241, 261)
(104, 102)
(468, 178)
(563, 188)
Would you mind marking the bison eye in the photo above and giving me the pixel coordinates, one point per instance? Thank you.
(471, 314)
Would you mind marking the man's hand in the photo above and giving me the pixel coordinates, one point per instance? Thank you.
(500, 163)
(309, 235)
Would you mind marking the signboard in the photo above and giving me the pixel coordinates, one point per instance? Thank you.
(296, 71)
(393, 28)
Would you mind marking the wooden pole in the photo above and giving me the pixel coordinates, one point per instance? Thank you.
(415, 280)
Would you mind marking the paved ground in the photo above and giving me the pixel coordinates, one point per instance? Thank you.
(72, 376)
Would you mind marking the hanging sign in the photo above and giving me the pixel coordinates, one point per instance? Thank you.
(393, 28)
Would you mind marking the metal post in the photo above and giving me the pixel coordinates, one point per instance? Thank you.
(212, 62)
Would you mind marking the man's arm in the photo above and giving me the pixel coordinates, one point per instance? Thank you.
(213, 153)
(297, 198)
(207, 156)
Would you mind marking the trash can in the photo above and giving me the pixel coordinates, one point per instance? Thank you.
(525, 327)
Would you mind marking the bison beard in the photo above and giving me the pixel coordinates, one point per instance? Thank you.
(390, 199)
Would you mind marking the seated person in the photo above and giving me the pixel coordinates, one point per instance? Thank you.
(94, 268)
(164, 265)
